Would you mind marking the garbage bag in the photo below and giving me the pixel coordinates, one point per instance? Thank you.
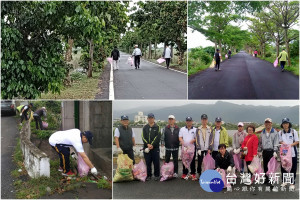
(140, 171)
(237, 161)
(286, 157)
(226, 56)
(224, 176)
(130, 61)
(208, 162)
(161, 60)
(255, 166)
(124, 169)
(275, 62)
(45, 125)
(167, 171)
(273, 166)
(187, 154)
(83, 168)
(110, 60)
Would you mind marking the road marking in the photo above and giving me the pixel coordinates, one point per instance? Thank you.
(111, 84)
(164, 67)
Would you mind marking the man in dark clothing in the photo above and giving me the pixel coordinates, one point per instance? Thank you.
(217, 58)
(115, 54)
(137, 53)
(171, 141)
(24, 112)
(37, 115)
(125, 138)
(151, 137)
(224, 159)
(229, 54)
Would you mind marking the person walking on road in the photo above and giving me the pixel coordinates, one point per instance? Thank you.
(170, 139)
(220, 136)
(167, 55)
(61, 141)
(137, 53)
(125, 138)
(229, 54)
(289, 136)
(237, 141)
(37, 115)
(268, 145)
(204, 140)
(218, 59)
(115, 54)
(283, 57)
(187, 134)
(151, 137)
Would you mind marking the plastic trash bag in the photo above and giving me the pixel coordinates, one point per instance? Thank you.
(237, 161)
(161, 60)
(208, 162)
(224, 178)
(167, 171)
(226, 56)
(255, 166)
(286, 157)
(275, 63)
(124, 169)
(83, 168)
(187, 154)
(130, 61)
(140, 171)
(45, 125)
(110, 60)
(253, 55)
(273, 166)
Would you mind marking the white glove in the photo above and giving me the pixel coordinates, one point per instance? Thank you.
(246, 152)
(199, 152)
(229, 169)
(234, 151)
(238, 151)
(120, 151)
(134, 149)
(260, 154)
(146, 150)
(275, 154)
(218, 169)
(94, 171)
(20, 114)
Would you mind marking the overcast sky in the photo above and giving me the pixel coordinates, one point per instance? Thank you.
(131, 104)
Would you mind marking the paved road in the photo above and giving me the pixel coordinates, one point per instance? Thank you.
(9, 133)
(182, 189)
(148, 82)
(244, 77)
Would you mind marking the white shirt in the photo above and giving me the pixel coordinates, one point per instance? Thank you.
(69, 137)
(187, 135)
(167, 53)
(117, 133)
(137, 52)
(288, 139)
(217, 139)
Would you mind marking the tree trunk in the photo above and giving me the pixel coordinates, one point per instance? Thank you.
(287, 46)
(91, 60)
(215, 46)
(149, 53)
(277, 47)
(68, 55)
(220, 47)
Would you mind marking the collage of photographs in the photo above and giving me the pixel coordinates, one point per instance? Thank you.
(150, 99)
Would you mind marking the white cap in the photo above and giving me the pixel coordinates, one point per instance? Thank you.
(136, 45)
(44, 108)
(240, 124)
(268, 120)
(171, 117)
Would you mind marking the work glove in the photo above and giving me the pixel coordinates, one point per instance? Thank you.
(218, 169)
(120, 151)
(94, 171)
(147, 150)
(199, 152)
(229, 169)
(275, 154)
(234, 151)
(20, 114)
(238, 151)
(246, 152)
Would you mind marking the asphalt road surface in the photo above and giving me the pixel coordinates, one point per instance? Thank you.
(188, 189)
(9, 133)
(148, 82)
(244, 77)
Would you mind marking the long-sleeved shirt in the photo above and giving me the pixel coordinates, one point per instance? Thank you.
(137, 52)
(238, 138)
(268, 141)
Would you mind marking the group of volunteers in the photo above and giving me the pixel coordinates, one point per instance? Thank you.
(136, 55)
(26, 110)
(61, 141)
(207, 140)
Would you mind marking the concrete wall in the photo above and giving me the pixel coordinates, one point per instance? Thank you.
(36, 162)
(67, 112)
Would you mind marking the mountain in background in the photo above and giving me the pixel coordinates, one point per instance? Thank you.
(229, 112)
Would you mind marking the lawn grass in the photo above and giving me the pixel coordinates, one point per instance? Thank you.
(85, 88)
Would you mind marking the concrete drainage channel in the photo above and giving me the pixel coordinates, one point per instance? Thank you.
(36, 162)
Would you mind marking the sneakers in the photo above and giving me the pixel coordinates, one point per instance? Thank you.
(156, 178)
(60, 169)
(194, 178)
(292, 188)
(184, 176)
(229, 188)
(275, 189)
(175, 175)
(70, 173)
(283, 185)
(148, 178)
